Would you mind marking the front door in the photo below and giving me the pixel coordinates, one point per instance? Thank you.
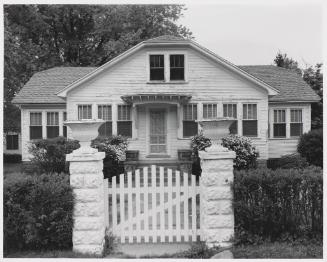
(158, 132)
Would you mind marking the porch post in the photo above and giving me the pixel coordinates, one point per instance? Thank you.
(217, 216)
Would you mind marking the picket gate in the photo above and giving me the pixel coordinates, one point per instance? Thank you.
(153, 204)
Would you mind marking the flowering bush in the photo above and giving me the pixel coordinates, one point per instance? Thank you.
(115, 148)
(49, 155)
(198, 143)
(246, 153)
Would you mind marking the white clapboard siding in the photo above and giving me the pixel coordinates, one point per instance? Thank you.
(163, 220)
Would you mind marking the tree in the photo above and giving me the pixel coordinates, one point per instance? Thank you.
(281, 60)
(314, 77)
(38, 37)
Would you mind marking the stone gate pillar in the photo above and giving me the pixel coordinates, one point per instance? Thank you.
(216, 196)
(86, 179)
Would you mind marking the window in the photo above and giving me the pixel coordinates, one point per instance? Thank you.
(296, 126)
(176, 67)
(35, 125)
(124, 123)
(230, 110)
(279, 123)
(64, 127)
(52, 124)
(190, 127)
(84, 112)
(105, 113)
(157, 67)
(250, 123)
(12, 142)
(209, 111)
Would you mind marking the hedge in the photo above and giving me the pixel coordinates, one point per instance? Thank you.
(282, 204)
(38, 212)
(287, 161)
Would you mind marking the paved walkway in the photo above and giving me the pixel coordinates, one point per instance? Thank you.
(139, 250)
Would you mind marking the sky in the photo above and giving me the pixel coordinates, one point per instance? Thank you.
(253, 33)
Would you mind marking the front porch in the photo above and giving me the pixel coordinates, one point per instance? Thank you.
(157, 131)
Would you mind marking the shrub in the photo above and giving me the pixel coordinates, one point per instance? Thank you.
(310, 147)
(284, 204)
(288, 161)
(115, 148)
(49, 155)
(12, 158)
(198, 143)
(38, 212)
(246, 153)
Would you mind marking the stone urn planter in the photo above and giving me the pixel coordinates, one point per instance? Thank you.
(84, 131)
(216, 129)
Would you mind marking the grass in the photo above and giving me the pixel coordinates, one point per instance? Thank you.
(278, 250)
(48, 254)
(9, 168)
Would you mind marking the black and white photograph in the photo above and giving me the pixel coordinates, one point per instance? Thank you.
(150, 130)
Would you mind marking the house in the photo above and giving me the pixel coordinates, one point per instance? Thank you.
(155, 92)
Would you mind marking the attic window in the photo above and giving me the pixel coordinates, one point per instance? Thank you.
(157, 68)
(176, 67)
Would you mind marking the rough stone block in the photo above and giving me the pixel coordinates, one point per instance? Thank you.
(88, 209)
(217, 192)
(87, 195)
(217, 207)
(89, 168)
(218, 221)
(88, 223)
(218, 235)
(77, 181)
(93, 181)
(216, 165)
(89, 249)
(88, 237)
(218, 178)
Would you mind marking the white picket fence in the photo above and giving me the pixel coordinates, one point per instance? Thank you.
(156, 205)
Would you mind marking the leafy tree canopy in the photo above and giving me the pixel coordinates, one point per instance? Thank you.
(38, 37)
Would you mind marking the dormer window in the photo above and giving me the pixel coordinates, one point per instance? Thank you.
(176, 67)
(157, 68)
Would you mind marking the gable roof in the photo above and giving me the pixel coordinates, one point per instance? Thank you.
(43, 86)
(291, 86)
(164, 41)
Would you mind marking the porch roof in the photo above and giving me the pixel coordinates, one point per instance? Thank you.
(156, 97)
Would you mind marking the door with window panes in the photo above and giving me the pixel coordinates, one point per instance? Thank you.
(158, 131)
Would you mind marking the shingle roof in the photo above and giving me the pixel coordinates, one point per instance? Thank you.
(166, 38)
(43, 86)
(291, 86)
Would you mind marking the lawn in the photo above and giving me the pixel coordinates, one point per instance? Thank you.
(266, 250)
(278, 250)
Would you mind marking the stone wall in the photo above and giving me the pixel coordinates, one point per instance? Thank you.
(86, 179)
(217, 216)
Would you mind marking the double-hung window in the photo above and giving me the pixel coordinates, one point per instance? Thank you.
(230, 110)
(64, 127)
(12, 142)
(279, 123)
(296, 125)
(52, 124)
(250, 122)
(177, 67)
(124, 123)
(209, 111)
(190, 126)
(84, 112)
(35, 125)
(157, 68)
(105, 113)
